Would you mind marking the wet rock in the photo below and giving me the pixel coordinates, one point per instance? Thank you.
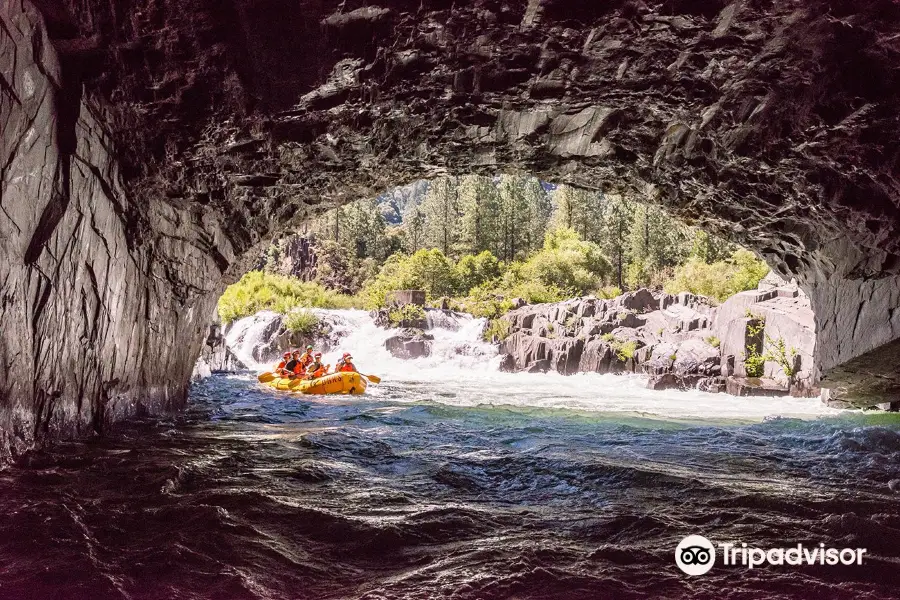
(695, 356)
(216, 356)
(409, 344)
(751, 386)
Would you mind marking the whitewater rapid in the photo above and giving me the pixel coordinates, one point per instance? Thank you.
(463, 370)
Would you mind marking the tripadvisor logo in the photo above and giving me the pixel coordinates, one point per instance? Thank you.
(696, 555)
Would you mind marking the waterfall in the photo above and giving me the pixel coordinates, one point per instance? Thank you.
(249, 338)
(457, 341)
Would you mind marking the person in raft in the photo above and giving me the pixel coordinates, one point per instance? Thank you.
(316, 369)
(293, 366)
(306, 358)
(284, 361)
(345, 365)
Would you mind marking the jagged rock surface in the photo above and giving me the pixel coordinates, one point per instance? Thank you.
(679, 341)
(409, 343)
(216, 356)
(151, 146)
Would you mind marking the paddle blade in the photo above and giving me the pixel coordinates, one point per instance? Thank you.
(267, 377)
(295, 383)
(373, 378)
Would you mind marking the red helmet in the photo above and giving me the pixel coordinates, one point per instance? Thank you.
(347, 355)
(286, 355)
(318, 354)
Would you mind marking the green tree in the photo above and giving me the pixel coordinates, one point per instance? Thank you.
(567, 262)
(656, 242)
(441, 209)
(616, 219)
(414, 228)
(710, 248)
(479, 208)
(512, 227)
(428, 270)
(538, 209)
(578, 209)
(474, 270)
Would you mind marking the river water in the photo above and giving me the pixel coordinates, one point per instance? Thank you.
(451, 480)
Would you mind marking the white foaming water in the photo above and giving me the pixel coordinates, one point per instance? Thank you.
(246, 337)
(462, 370)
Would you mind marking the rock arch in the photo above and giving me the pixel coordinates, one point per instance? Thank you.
(148, 146)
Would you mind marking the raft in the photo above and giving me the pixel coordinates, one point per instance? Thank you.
(336, 383)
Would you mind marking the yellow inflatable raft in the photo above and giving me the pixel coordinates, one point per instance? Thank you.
(336, 383)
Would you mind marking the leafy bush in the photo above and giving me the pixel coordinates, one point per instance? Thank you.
(719, 280)
(624, 350)
(258, 291)
(427, 270)
(498, 328)
(568, 263)
(779, 352)
(301, 321)
(407, 312)
(475, 270)
(754, 363)
(713, 341)
(608, 292)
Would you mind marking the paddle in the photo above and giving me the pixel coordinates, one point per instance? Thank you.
(267, 377)
(372, 378)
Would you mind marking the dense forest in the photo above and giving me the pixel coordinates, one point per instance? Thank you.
(478, 238)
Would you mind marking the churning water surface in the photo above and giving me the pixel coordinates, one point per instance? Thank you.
(451, 480)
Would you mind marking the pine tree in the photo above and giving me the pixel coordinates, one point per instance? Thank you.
(441, 209)
(479, 207)
(537, 203)
(617, 218)
(578, 209)
(513, 216)
(414, 228)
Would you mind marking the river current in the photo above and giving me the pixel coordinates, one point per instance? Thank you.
(452, 480)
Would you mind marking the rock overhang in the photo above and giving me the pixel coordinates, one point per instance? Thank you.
(773, 123)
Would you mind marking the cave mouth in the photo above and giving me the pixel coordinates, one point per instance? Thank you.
(564, 279)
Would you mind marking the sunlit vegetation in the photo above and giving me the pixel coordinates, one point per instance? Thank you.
(258, 291)
(481, 244)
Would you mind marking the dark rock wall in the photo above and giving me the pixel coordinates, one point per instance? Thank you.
(103, 304)
(151, 146)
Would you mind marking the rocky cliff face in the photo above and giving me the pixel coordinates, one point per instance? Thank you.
(680, 341)
(150, 147)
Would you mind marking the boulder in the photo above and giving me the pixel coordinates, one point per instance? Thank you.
(409, 344)
(696, 356)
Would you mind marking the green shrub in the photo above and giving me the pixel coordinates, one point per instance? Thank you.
(427, 270)
(754, 363)
(713, 341)
(607, 337)
(721, 279)
(475, 270)
(258, 291)
(779, 353)
(301, 321)
(608, 292)
(568, 263)
(407, 312)
(624, 350)
(496, 327)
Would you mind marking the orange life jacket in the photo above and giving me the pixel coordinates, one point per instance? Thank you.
(306, 359)
(280, 366)
(317, 370)
(347, 367)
